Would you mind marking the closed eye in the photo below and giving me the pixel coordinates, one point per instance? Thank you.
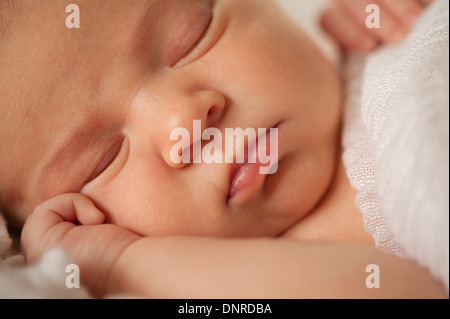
(106, 161)
(192, 46)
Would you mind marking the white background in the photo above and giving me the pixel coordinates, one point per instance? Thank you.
(306, 13)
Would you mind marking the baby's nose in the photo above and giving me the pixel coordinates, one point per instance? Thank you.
(205, 107)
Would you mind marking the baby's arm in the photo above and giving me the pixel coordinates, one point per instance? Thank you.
(263, 268)
(114, 260)
(345, 20)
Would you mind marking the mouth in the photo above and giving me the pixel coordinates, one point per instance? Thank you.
(246, 178)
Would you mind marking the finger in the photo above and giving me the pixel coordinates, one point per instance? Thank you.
(52, 219)
(336, 22)
(72, 208)
(37, 225)
(391, 30)
(405, 11)
(86, 212)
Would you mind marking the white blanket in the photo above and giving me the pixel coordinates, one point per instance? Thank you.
(396, 142)
(46, 279)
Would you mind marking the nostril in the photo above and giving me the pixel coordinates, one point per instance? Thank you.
(214, 114)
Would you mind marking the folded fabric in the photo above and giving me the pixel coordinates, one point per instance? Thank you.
(47, 279)
(396, 141)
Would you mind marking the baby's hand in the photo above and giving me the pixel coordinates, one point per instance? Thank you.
(345, 20)
(71, 221)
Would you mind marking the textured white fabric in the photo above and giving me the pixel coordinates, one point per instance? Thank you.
(396, 141)
(5, 240)
(46, 279)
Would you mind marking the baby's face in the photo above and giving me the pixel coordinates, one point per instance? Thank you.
(91, 110)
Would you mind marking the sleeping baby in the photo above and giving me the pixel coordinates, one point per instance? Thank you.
(86, 119)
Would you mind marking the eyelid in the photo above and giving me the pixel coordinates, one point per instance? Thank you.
(199, 44)
(107, 160)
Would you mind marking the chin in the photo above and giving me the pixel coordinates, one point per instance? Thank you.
(298, 187)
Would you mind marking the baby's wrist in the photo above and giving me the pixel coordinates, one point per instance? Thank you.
(116, 281)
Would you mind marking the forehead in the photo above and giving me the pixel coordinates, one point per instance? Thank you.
(48, 57)
(7, 7)
(46, 61)
(53, 77)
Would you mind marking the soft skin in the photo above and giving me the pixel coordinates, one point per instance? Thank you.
(130, 84)
(111, 93)
(115, 260)
(139, 72)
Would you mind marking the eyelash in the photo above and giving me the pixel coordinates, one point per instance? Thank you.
(196, 46)
(107, 160)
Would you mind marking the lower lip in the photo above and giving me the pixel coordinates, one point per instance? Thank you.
(247, 180)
